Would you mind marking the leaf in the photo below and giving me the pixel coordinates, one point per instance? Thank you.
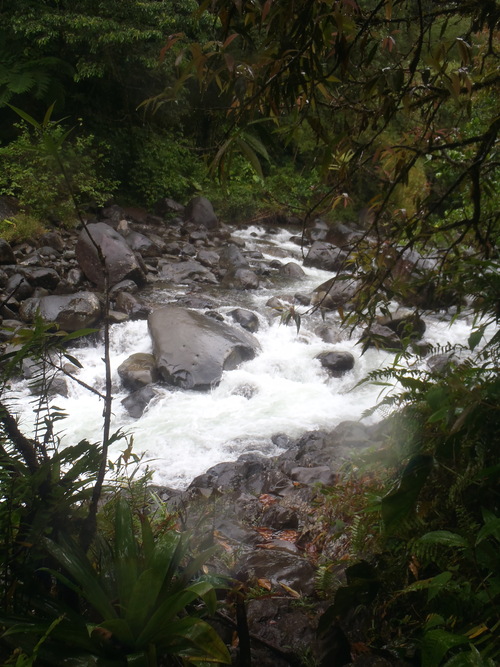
(25, 116)
(436, 644)
(397, 505)
(445, 538)
(75, 562)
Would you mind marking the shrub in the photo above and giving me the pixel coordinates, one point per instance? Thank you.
(163, 166)
(44, 190)
(21, 227)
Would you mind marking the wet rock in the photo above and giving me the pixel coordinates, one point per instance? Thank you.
(138, 370)
(117, 317)
(291, 270)
(192, 350)
(281, 623)
(208, 258)
(342, 235)
(18, 286)
(195, 301)
(336, 362)
(231, 258)
(40, 276)
(9, 329)
(319, 230)
(181, 272)
(137, 402)
(74, 278)
(54, 240)
(281, 517)
(142, 244)
(329, 333)
(130, 304)
(123, 286)
(6, 253)
(309, 476)
(405, 323)
(279, 568)
(335, 293)
(442, 364)
(121, 262)
(168, 207)
(44, 380)
(71, 312)
(325, 256)
(240, 279)
(200, 211)
(245, 318)
(380, 337)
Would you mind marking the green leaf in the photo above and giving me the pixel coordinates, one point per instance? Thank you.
(195, 640)
(445, 538)
(399, 504)
(75, 562)
(126, 552)
(25, 116)
(436, 644)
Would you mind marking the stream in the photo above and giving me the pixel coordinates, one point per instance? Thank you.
(284, 389)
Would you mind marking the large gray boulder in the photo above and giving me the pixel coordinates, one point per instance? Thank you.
(325, 256)
(200, 211)
(121, 261)
(70, 311)
(192, 350)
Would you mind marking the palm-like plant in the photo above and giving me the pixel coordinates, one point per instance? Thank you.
(140, 605)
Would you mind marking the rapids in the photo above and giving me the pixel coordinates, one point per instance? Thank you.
(283, 390)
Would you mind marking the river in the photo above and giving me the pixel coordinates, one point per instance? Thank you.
(284, 389)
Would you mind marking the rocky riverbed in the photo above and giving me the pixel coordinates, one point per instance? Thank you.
(190, 277)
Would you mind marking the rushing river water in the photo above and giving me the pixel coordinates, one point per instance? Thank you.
(283, 390)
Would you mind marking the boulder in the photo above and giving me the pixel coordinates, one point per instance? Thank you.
(380, 337)
(231, 258)
(135, 308)
(40, 276)
(291, 270)
(6, 253)
(18, 286)
(142, 244)
(137, 401)
(246, 319)
(121, 261)
(138, 370)
(280, 568)
(71, 311)
(208, 258)
(240, 279)
(337, 363)
(192, 350)
(325, 256)
(335, 293)
(200, 211)
(180, 272)
(404, 322)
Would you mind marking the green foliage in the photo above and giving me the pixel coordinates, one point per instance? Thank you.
(21, 227)
(142, 597)
(47, 171)
(436, 554)
(163, 165)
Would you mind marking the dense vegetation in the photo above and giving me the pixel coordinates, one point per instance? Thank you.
(381, 112)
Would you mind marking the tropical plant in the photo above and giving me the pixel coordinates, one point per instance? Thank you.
(140, 602)
(432, 568)
(390, 91)
(48, 169)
